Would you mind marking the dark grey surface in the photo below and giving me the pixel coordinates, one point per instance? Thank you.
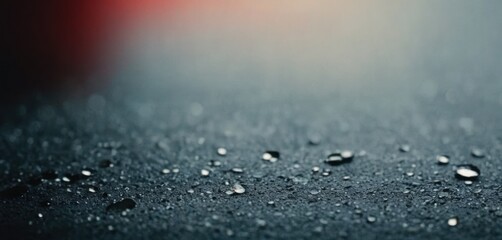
(444, 99)
(165, 133)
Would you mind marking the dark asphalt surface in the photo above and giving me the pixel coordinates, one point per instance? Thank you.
(408, 193)
(160, 130)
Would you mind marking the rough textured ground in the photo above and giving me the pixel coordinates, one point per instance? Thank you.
(159, 128)
(181, 128)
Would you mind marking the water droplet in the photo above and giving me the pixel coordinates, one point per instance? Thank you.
(204, 172)
(468, 183)
(166, 171)
(221, 151)
(410, 174)
(467, 172)
(371, 219)
(106, 163)
(347, 155)
(346, 178)
(271, 203)
(92, 189)
(442, 159)
(40, 215)
(338, 158)
(316, 169)
(176, 170)
(452, 222)
(86, 172)
(271, 156)
(261, 222)
(314, 140)
(404, 148)
(71, 178)
(214, 163)
(334, 159)
(477, 153)
(237, 170)
(124, 204)
(13, 192)
(315, 192)
(237, 188)
(190, 191)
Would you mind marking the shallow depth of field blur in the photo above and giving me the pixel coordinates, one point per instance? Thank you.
(313, 47)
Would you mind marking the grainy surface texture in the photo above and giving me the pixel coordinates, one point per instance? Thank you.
(140, 159)
(406, 194)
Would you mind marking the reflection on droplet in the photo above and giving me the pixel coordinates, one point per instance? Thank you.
(404, 148)
(239, 189)
(477, 153)
(315, 192)
(338, 158)
(347, 155)
(222, 151)
(261, 222)
(237, 170)
(452, 222)
(334, 159)
(371, 219)
(204, 172)
(271, 156)
(124, 204)
(442, 159)
(326, 172)
(467, 172)
(166, 171)
(86, 173)
(314, 140)
(214, 163)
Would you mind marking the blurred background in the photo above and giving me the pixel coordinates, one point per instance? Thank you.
(314, 46)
